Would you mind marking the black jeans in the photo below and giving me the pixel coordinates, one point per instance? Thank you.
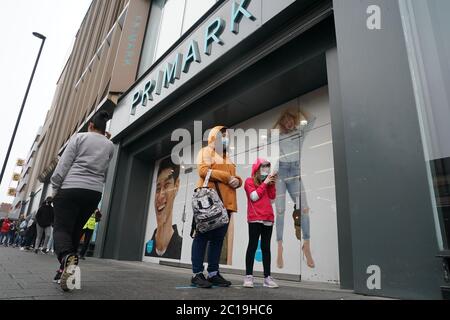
(72, 208)
(213, 240)
(87, 240)
(201, 240)
(256, 230)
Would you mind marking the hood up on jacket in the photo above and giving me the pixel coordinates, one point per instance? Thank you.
(258, 164)
(213, 135)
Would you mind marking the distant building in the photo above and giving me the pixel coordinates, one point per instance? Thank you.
(5, 209)
(21, 202)
(102, 65)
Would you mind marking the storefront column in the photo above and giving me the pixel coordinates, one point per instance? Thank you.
(392, 227)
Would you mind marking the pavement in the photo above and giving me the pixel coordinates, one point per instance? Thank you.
(28, 276)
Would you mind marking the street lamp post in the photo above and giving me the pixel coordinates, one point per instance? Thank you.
(40, 36)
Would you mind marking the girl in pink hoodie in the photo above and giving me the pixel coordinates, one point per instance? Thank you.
(260, 190)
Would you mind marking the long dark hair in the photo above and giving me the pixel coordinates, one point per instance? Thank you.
(100, 120)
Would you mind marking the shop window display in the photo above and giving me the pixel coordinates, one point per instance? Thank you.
(305, 192)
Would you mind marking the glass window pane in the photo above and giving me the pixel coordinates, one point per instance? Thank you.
(195, 9)
(171, 26)
(151, 36)
(426, 26)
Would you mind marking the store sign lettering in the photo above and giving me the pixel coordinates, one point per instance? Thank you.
(172, 71)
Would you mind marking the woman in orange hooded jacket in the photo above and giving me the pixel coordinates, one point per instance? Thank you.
(215, 157)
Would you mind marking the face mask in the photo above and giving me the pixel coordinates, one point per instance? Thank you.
(225, 143)
(264, 173)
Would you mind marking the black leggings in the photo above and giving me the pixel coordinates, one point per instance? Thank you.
(72, 208)
(257, 230)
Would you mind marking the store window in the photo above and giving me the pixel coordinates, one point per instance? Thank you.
(426, 27)
(305, 168)
(168, 21)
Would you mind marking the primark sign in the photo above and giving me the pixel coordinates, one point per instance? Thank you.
(230, 24)
(171, 71)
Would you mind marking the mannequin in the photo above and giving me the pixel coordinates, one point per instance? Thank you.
(293, 126)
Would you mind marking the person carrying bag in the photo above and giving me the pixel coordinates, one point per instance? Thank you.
(213, 204)
(209, 211)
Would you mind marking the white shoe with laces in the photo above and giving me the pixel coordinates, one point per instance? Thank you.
(270, 283)
(248, 282)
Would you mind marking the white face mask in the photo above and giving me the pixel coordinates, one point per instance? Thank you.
(264, 172)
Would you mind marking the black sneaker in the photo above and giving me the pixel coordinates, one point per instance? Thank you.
(68, 261)
(200, 281)
(219, 281)
(57, 278)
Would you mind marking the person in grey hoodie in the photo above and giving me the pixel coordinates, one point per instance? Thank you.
(78, 182)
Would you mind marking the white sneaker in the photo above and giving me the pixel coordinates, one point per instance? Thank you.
(248, 282)
(22, 248)
(270, 283)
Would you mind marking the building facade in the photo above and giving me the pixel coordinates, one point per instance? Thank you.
(5, 209)
(102, 65)
(368, 83)
(364, 84)
(23, 197)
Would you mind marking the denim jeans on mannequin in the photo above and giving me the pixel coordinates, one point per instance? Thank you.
(289, 180)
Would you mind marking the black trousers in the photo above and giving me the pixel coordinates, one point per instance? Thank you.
(255, 231)
(87, 240)
(72, 209)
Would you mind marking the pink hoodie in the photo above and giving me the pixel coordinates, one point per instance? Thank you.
(260, 210)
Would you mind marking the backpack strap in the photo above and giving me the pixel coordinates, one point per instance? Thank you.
(208, 176)
(218, 190)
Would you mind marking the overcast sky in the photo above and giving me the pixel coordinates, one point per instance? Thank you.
(59, 20)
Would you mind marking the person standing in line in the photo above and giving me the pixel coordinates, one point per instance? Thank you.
(50, 247)
(30, 234)
(215, 157)
(44, 222)
(78, 183)
(21, 233)
(4, 230)
(11, 233)
(260, 191)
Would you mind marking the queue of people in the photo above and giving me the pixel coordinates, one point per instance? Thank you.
(30, 233)
(78, 182)
(35, 232)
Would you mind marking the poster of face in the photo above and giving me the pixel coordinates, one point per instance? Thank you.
(165, 225)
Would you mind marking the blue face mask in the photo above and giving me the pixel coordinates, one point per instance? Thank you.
(225, 143)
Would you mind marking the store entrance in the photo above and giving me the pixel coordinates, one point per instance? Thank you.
(306, 177)
(289, 85)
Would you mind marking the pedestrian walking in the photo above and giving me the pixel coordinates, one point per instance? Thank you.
(88, 231)
(44, 222)
(78, 182)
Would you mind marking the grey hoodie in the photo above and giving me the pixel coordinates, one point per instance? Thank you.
(84, 163)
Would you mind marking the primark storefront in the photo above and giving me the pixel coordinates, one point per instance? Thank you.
(343, 86)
